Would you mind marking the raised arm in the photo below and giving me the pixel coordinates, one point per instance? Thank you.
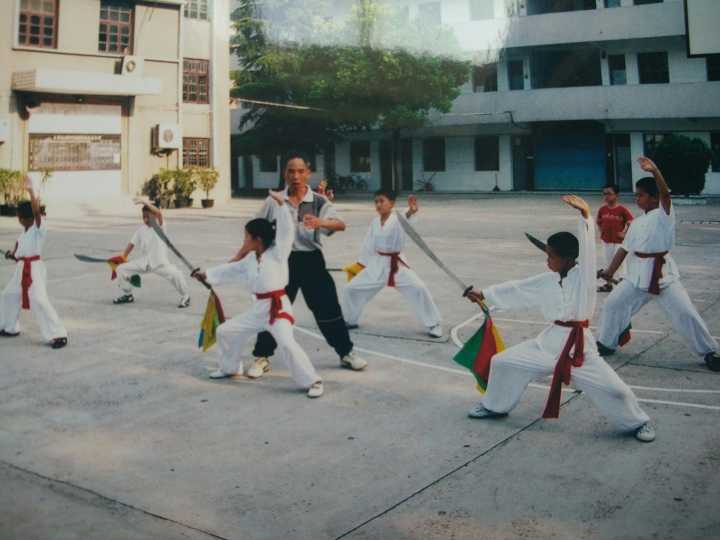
(34, 201)
(284, 225)
(648, 165)
(154, 210)
(413, 207)
(587, 261)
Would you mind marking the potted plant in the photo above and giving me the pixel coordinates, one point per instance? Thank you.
(11, 183)
(159, 188)
(183, 187)
(208, 179)
(4, 178)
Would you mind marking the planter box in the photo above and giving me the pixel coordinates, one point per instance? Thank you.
(208, 203)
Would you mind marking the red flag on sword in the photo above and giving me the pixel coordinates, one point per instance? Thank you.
(479, 350)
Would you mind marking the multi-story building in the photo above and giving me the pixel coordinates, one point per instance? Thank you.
(564, 94)
(106, 92)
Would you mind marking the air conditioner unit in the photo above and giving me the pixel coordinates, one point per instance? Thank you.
(4, 129)
(166, 137)
(132, 65)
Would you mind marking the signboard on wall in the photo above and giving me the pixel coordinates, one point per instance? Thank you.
(74, 152)
(701, 20)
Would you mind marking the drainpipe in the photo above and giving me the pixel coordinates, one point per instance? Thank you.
(181, 25)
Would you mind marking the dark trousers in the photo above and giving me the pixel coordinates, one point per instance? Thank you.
(309, 275)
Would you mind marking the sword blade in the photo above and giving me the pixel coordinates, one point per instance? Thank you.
(415, 237)
(537, 243)
(88, 259)
(158, 230)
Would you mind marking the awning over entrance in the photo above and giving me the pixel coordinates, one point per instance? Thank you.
(55, 81)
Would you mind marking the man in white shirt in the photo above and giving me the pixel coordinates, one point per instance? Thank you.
(153, 258)
(652, 274)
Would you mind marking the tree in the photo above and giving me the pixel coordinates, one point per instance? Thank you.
(684, 163)
(369, 68)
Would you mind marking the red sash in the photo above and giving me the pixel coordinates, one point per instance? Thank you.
(395, 262)
(27, 281)
(276, 311)
(657, 269)
(567, 361)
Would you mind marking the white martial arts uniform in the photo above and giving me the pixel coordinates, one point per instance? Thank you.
(653, 232)
(270, 274)
(609, 250)
(388, 238)
(568, 299)
(152, 257)
(30, 244)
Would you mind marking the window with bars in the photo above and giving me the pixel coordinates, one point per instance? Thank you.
(487, 153)
(197, 9)
(195, 81)
(196, 152)
(37, 24)
(116, 27)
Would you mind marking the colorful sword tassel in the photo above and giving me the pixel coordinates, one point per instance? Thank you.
(479, 350)
(214, 317)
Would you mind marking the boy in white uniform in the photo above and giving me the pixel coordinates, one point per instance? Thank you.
(27, 287)
(153, 258)
(384, 265)
(652, 274)
(262, 264)
(566, 296)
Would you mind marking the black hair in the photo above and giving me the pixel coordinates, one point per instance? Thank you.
(263, 229)
(565, 245)
(296, 154)
(614, 188)
(145, 208)
(25, 210)
(648, 185)
(384, 192)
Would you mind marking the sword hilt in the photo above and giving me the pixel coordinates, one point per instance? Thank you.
(467, 291)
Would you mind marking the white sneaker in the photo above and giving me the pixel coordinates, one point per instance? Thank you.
(184, 301)
(435, 331)
(316, 390)
(478, 411)
(260, 366)
(645, 433)
(217, 374)
(354, 362)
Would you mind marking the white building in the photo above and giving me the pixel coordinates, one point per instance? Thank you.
(565, 93)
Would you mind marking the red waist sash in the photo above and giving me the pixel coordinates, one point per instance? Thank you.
(575, 343)
(658, 263)
(276, 311)
(26, 280)
(395, 262)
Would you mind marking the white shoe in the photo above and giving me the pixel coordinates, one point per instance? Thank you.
(645, 433)
(435, 331)
(184, 301)
(217, 374)
(354, 362)
(316, 390)
(478, 411)
(260, 366)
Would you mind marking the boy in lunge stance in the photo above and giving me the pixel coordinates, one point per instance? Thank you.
(384, 265)
(566, 348)
(153, 258)
(262, 264)
(27, 288)
(652, 274)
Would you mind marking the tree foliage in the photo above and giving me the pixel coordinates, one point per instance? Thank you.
(684, 163)
(365, 68)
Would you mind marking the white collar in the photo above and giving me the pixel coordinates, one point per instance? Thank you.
(308, 198)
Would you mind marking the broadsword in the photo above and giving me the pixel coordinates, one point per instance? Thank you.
(415, 237)
(158, 230)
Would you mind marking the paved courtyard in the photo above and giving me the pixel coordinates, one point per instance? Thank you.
(121, 435)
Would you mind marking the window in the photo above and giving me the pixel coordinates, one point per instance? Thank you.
(643, 2)
(37, 24)
(612, 3)
(713, 67)
(196, 152)
(195, 81)
(430, 13)
(116, 26)
(268, 163)
(485, 78)
(487, 153)
(482, 9)
(715, 148)
(651, 142)
(653, 68)
(360, 156)
(434, 154)
(539, 7)
(516, 75)
(197, 9)
(553, 68)
(618, 73)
